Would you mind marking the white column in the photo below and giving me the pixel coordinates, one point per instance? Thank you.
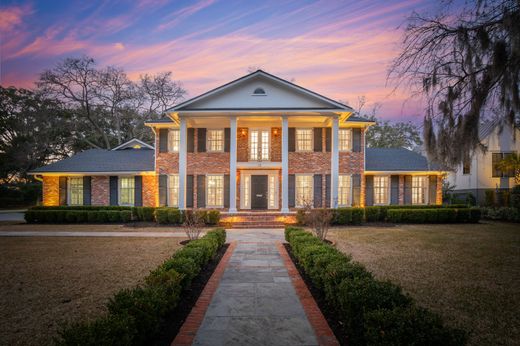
(334, 165)
(233, 166)
(182, 163)
(285, 164)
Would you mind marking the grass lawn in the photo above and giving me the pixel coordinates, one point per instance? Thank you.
(47, 281)
(470, 274)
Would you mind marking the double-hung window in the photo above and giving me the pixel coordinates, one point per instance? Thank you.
(173, 190)
(214, 191)
(215, 140)
(126, 191)
(419, 189)
(466, 166)
(75, 190)
(345, 139)
(174, 140)
(381, 187)
(344, 190)
(304, 193)
(259, 145)
(495, 160)
(304, 139)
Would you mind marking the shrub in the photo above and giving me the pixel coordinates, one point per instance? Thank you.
(515, 197)
(438, 215)
(81, 207)
(374, 214)
(342, 216)
(501, 214)
(144, 213)
(490, 198)
(168, 216)
(300, 217)
(212, 217)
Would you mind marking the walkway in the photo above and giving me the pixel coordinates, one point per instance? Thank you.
(256, 302)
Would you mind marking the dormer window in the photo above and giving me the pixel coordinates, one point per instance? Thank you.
(259, 92)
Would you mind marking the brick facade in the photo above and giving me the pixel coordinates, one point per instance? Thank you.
(51, 190)
(100, 190)
(150, 191)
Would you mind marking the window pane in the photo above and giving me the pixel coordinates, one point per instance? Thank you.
(126, 190)
(419, 190)
(304, 193)
(265, 145)
(345, 139)
(304, 139)
(215, 140)
(380, 190)
(173, 140)
(173, 193)
(76, 191)
(215, 191)
(344, 190)
(254, 145)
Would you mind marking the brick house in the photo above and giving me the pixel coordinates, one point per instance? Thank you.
(256, 143)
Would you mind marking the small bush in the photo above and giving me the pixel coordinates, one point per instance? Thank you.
(489, 198)
(501, 214)
(342, 216)
(212, 217)
(515, 197)
(144, 213)
(437, 215)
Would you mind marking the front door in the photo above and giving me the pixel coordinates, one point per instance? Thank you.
(259, 192)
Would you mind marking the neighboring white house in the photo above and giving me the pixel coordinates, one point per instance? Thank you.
(480, 173)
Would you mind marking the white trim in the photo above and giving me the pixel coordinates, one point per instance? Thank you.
(285, 164)
(183, 147)
(334, 164)
(223, 191)
(259, 138)
(232, 165)
(134, 140)
(259, 164)
(69, 191)
(248, 174)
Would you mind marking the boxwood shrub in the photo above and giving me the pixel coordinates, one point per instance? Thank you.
(77, 216)
(371, 311)
(437, 215)
(136, 315)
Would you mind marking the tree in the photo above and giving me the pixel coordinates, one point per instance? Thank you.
(33, 131)
(386, 134)
(466, 63)
(511, 163)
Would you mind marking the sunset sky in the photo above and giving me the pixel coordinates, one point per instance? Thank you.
(341, 49)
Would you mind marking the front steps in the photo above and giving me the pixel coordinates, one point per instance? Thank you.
(257, 220)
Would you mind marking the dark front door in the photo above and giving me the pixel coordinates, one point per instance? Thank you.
(259, 192)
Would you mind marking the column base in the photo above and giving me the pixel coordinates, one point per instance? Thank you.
(284, 210)
(233, 211)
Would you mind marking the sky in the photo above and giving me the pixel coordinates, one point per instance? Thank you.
(340, 49)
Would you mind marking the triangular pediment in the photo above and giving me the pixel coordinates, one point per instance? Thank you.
(259, 91)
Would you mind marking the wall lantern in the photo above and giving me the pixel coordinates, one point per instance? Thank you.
(275, 132)
(243, 132)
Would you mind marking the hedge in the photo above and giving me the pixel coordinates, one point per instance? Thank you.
(380, 213)
(136, 315)
(372, 312)
(77, 216)
(175, 217)
(501, 214)
(81, 207)
(437, 215)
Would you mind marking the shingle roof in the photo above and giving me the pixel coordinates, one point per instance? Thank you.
(159, 121)
(391, 159)
(359, 119)
(99, 160)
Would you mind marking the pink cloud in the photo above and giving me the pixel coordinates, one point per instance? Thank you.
(177, 17)
(11, 17)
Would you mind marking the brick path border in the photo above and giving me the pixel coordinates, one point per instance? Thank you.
(318, 322)
(190, 327)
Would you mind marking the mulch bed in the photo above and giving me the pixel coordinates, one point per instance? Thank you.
(189, 297)
(328, 312)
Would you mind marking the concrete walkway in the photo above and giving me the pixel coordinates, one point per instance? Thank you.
(92, 234)
(255, 302)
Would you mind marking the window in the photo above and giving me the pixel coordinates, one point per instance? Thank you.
(466, 166)
(304, 139)
(259, 145)
(304, 193)
(126, 190)
(75, 191)
(259, 92)
(345, 139)
(173, 190)
(344, 186)
(272, 187)
(419, 189)
(495, 159)
(381, 189)
(174, 140)
(215, 140)
(215, 191)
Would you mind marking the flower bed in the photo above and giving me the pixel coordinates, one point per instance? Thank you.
(371, 312)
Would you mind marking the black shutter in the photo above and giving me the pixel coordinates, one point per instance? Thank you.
(356, 190)
(191, 140)
(201, 191)
(227, 139)
(63, 191)
(317, 139)
(87, 188)
(138, 191)
(226, 191)
(292, 139)
(163, 190)
(356, 140)
(163, 140)
(432, 189)
(201, 140)
(327, 191)
(369, 188)
(318, 190)
(394, 190)
(407, 189)
(328, 139)
(189, 191)
(113, 190)
(292, 190)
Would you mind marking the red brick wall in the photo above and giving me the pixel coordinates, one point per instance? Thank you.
(276, 144)
(100, 186)
(309, 162)
(351, 162)
(439, 189)
(242, 144)
(206, 163)
(150, 191)
(51, 190)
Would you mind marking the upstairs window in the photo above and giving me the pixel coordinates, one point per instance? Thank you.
(304, 139)
(381, 187)
(304, 193)
(259, 145)
(174, 141)
(419, 189)
(259, 92)
(345, 139)
(495, 160)
(126, 191)
(466, 166)
(215, 140)
(75, 190)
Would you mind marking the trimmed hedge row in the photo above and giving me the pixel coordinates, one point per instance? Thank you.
(372, 312)
(175, 216)
(380, 213)
(439, 215)
(77, 216)
(81, 207)
(136, 315)
(501, 214)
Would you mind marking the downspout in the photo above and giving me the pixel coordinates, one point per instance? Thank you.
(39, 178)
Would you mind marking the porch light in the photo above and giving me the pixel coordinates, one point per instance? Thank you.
(243, 132)
(275, 132)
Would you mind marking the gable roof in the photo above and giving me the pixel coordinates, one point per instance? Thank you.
(357, 119)
(396, 159)
(332, 105)
(132, 143)
(103, 161)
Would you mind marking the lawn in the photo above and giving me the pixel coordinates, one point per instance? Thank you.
(47, 281)
(470, 274)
